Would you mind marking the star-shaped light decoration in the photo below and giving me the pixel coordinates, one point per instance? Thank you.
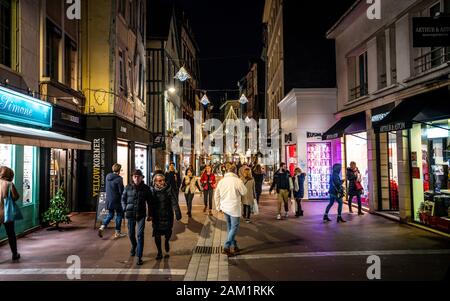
(247, 120)
(205, 100)
(243, 100)
(182, 75)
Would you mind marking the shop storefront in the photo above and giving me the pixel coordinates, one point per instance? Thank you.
(348, 143)
(114, 140)
(424, 119)
(25, 139)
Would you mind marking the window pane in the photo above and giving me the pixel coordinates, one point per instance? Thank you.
(5, 32)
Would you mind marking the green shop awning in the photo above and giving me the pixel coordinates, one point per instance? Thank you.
(430, 106)
(13, 134)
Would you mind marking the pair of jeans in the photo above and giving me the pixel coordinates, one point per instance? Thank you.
(189, 197)
(110, 216)
(139, 244)
(350, 199)
(12, 239)
(208, 197)
(232, 227)
(283, 197)
(247, 211)
(333, 199)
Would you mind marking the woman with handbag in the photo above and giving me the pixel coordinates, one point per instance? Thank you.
(208, 181)
(336, 192)
(355, 187)
(249, 198)
(8, 193)
(188, 187)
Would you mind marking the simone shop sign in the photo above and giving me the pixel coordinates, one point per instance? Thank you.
(23, 109)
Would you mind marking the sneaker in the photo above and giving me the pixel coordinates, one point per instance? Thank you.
(226, 251)
(247, 221)
(279, 217)
(100, 231)
(118, 235)
(286, 215)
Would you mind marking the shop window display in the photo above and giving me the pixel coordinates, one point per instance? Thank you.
(430, 156)
(122, 159)
(319, 170)
(140, 159)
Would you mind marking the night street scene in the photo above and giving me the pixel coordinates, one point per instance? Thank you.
(194, 144)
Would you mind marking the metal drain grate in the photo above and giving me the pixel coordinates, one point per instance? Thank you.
(207, 250)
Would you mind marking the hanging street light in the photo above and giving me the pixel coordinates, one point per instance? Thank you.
(182, 75)
(205, 101)
(243, 100)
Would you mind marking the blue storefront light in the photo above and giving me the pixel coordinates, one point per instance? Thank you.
(22, 109)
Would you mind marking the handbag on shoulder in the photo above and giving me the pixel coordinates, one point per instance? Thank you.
(12, 211)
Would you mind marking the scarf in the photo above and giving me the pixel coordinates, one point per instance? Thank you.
(296, 186)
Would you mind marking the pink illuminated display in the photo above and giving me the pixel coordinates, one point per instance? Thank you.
(319, 169)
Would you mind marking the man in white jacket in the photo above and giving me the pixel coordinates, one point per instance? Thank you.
(228, 196)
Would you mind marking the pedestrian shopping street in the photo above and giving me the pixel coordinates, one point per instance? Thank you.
(290, 249)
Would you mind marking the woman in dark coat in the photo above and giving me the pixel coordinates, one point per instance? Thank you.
(336, 192)
(259, 179)
(354, 187)
(164, 203)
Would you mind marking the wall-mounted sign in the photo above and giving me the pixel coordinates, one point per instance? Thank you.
(98, 166)
(123, 129)
(379, 117)
(70, 118)
(393, 127)
(331, 136)
(23, 109)
(313, 135)
(431, 32)
(288, 138)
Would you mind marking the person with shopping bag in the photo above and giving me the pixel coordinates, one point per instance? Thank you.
(355, 188)
(9, 212)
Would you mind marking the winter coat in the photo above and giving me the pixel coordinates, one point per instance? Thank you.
(136, 201)
(259, 179)
(300, 193)
(114, 191)
(248, 198)
(335, 181)
(164, 203)
(3, 194)
(190, 185)
(173, 179)
(280, 180)
(205, 181)
(352, 177)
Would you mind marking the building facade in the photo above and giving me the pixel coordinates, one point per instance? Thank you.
(170, 46)
(393, 105)
(113, 35)
(42, 125)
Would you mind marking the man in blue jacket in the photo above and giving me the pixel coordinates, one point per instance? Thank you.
(114, 190)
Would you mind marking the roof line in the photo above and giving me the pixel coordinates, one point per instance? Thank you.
(343, 17)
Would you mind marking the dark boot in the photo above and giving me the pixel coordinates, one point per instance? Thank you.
(340, 220)
(326, 219)
(360, 213)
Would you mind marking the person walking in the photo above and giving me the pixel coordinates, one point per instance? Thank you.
(355, 187)
(336, 192)
(298, 185)
(173, 178)
(228, 196)
(164, 203)
(114, 191)
(259, 180)
(189, 186)
(249, 198)
(136, 203)
(7, 188)
(208, 181)
(282, 184)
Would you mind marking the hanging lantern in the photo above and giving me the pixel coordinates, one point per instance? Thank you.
(182, 75)
(243, 100)
(205, 100)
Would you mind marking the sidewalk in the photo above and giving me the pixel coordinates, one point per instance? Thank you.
(290, 249)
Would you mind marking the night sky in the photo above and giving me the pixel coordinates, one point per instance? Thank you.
(229, 34)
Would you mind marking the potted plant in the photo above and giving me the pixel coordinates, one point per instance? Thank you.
(58, 212)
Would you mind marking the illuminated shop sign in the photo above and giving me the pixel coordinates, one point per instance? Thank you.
(393, 127)
(23, 109)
